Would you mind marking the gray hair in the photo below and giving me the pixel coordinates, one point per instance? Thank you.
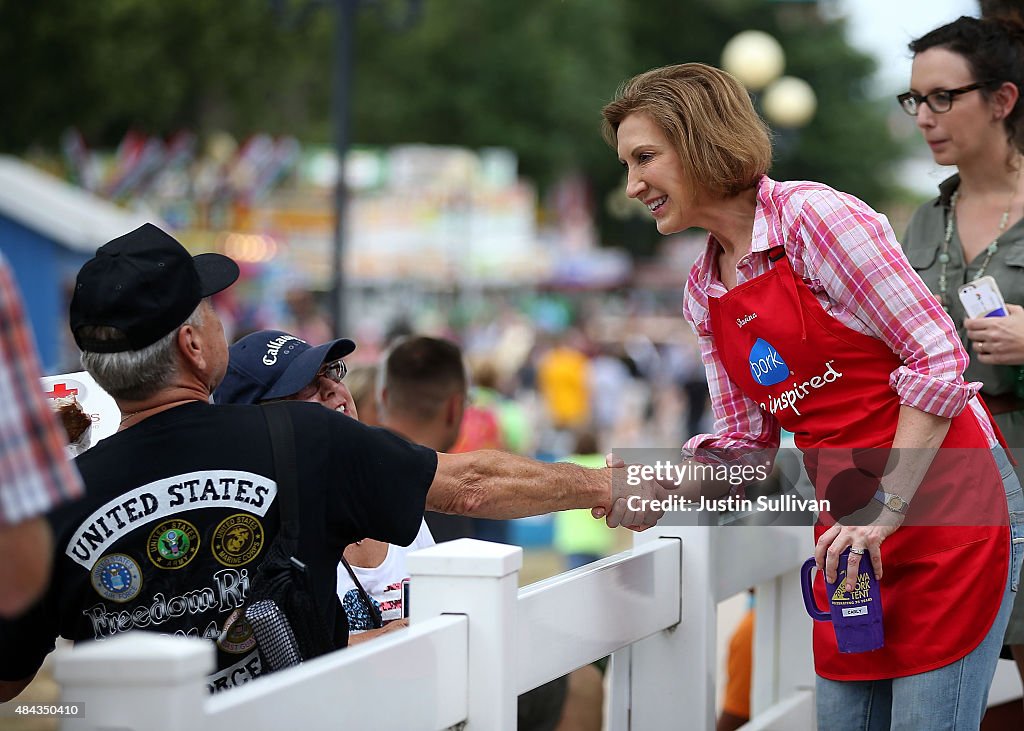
(135, 375)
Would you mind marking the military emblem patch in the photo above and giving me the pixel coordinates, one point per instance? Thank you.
(237, 540)
(117, 577)
(172, 544)
(237, 636)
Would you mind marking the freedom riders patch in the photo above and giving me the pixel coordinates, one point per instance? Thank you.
(117, 577)
(172, 544)
(237, 540)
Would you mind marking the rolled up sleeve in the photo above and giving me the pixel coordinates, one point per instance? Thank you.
(864, 270)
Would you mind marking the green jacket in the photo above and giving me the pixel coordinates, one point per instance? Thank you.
(923, 243)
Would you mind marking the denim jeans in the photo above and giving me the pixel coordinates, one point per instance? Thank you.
(952, 697)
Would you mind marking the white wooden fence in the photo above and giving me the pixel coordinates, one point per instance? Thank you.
(476, 642)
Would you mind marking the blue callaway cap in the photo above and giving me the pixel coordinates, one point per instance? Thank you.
(271, 364)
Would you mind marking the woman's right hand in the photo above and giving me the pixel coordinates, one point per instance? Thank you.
(868, 536)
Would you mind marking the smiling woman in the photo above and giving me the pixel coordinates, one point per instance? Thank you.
(810, 318)
(692, 102)
(693, 148)
(269, 365)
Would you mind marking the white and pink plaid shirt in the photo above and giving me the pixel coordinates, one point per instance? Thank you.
(848, 256)
(35, 474)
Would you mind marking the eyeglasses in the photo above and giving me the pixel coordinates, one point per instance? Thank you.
(940, 101)
(336, 370)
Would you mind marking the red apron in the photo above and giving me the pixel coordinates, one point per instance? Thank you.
(829, 385)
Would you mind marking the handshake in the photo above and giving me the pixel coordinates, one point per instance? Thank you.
(637, 498)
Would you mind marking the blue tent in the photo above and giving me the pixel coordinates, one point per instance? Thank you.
(48, 229)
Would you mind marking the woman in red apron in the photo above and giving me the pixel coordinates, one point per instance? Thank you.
(810, 319)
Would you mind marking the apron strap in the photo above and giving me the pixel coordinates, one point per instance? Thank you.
(777, 255)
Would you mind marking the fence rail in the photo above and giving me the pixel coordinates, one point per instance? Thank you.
(476, 642)
(416, 679)
(584, 615)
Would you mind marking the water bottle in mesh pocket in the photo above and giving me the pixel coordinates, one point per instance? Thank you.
(286, 621)
(273, 634)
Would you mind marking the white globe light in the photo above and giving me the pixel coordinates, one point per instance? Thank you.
(753, 57)
(790, 102)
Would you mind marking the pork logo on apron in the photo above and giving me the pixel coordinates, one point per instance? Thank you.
(766, 365)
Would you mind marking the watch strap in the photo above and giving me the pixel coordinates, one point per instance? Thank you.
(892, 501)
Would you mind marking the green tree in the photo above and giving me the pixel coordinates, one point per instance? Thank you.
(157, 66)
(531, 75)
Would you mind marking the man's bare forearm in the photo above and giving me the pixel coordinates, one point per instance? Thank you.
(493, 484)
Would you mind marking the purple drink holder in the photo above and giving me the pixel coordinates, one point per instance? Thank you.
(856, 616)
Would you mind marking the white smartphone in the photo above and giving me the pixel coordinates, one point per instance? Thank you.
(982, 298)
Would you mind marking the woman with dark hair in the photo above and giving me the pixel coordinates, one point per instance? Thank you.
(810, 318)
(965, 94)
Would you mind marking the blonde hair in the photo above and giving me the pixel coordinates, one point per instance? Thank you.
(707, 114)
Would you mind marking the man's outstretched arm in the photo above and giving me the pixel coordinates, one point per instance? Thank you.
(493, 484)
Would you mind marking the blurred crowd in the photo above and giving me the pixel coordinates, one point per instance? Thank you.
(551, 378)
(549, 373)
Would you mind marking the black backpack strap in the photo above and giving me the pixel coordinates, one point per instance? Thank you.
(282, 443)
(375, 616)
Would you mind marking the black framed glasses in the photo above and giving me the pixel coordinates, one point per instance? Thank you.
(336, 370)
(939, 101)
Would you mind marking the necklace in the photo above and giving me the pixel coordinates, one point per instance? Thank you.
(155, 409)
(990, 250)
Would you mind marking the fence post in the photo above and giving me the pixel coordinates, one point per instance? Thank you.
(783, 657)
(478, 579)
(670, 675)
(616, 702)
(140, 680)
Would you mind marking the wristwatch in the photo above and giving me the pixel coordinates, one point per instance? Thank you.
(892, 501)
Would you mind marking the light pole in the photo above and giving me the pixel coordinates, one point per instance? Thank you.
(757, 60)
(790, 102)
(341, 93)
(344, 20)
(753, 57)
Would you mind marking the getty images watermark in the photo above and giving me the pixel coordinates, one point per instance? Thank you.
(672, 475)
(787, 486)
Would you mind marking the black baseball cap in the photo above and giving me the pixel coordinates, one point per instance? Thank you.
(145, 284)
(270, 364)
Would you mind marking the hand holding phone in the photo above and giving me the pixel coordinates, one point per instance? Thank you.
(982, 298)
(998, 340)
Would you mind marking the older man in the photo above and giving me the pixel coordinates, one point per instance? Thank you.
(148, 548)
